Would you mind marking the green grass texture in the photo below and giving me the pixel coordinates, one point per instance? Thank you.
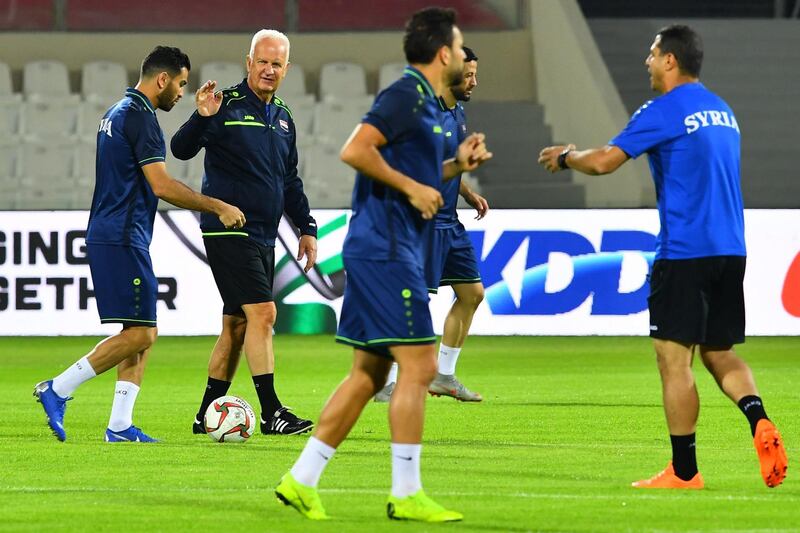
(566, 424)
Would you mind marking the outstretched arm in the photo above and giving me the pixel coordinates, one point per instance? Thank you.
(593, 161)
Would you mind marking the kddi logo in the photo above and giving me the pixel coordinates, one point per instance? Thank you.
(595, 273)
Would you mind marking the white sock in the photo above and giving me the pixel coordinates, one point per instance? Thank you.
(73, 377)
(392, 377)
(406, 479)
(448, 357)
(125, 394)
(312, 462)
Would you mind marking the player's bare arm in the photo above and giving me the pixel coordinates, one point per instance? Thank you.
(475, 200)
(178, 194)
(361, 152)
(208, 102)
(594, 161)
(308, 249)
(472, 153)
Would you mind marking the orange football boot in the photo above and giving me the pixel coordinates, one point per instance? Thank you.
(666, 479)
(771, 453)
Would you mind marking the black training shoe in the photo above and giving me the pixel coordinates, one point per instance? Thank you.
(198, 428)
(285, 423)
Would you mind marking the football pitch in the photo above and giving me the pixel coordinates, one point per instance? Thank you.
(566, 424)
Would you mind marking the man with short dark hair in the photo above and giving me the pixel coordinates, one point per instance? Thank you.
(130, 178)
(251, 159)
(696, 293)
(450, 259)
(398, 152)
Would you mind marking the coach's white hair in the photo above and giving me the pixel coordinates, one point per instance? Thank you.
(268, 34)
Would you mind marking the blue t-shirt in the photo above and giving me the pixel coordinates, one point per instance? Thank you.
(454, 124)
(692, 138)
(384, 225)
(123, 205)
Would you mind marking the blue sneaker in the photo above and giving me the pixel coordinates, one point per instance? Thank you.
(132, 434)
(54, 407)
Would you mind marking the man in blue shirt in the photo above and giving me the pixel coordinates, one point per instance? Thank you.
(251, 160)
(696, 284)
(398, 151)
(130, 178)
(451, 258)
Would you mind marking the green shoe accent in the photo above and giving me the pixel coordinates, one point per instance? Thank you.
(302, 497)
(419, 507)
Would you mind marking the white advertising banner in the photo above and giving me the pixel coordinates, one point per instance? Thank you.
(546, 272)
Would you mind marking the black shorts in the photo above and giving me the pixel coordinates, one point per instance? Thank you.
(243, 269)
(698, 301)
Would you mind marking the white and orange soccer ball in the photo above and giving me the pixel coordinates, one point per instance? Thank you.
(229, 419)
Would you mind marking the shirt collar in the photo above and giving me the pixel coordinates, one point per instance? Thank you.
(423, 86)
(136, 94)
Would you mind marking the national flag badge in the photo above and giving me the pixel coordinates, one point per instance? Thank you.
(284, 125)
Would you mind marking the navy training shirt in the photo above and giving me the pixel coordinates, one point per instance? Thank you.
(693, 142)
(384, 225)
(123, 204)
(454, 124)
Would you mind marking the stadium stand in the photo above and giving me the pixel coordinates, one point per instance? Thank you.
(49, 118)
(9, 119)
(27, 15)
(225, 73)
(343, 81)
(389, 73)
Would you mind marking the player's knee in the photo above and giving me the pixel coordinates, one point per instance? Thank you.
(473, 297)
(141, 338)
(263, 314)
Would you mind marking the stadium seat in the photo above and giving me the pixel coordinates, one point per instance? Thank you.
(9, 119)
(303, 115)
(49, 118)
(103, 81)
(47, 162)
(195, 170)
(342, 81)
(47, 80)
(176, 167)
(225, 73)
(45, 198)
(328, 181)
(335, 121)
(85, 162)
(172, 120)
(7, 93)
(89, 115)
(389, 73)
(293, 86)
(9, 154)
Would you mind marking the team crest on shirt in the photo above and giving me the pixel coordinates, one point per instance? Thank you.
(284, 125)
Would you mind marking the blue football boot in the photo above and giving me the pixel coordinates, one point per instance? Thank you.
(54, 407)
(132, 434)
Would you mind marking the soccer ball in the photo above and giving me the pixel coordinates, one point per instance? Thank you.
(229, 419)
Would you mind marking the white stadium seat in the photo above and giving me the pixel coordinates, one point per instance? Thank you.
(49, 162)
(103, 81)
(225, 73)
(334, 121)
(294, 84)
(89, 115)
(9, 118)
(389, 73)
(49, 118)
(170, 121)
(342, 81)
(7, 93)
(47, 80)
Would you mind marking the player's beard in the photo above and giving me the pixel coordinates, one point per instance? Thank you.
(460, 93)
(456, 77)
(166, 99)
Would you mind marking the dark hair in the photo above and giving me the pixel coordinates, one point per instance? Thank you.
(426, 32)
(686, 45)
(470, 55)
(165, 59)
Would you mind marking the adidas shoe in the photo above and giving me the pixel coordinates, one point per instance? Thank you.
(285, 423)
(444, 385)
(771, 453)
(54, 407)
(385, 394)
(302, 497)
(198, 428)
(667, 479)
(420, 507)
(132, 434)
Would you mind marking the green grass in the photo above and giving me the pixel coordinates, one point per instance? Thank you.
(566, 425)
